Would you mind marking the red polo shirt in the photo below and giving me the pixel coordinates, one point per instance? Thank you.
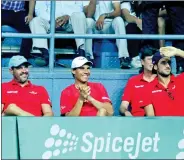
(70, 95)
(29, 98)
(167, 101)
(133, 93)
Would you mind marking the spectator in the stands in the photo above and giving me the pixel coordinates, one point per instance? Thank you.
(164, 97)
(84, 98)
(13, 13)
(19, 96)
(175, 10)
(69, 17)
(131, 13)
(104, 17)
(132, 95)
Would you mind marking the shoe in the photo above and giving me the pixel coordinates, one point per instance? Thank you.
(81, 52)
(125, 63)
(136, 62)
(44, 59)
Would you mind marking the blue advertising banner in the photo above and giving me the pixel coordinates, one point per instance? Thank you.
(101, 138)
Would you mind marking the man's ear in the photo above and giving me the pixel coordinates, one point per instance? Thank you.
(155, 67)
(73, 71)
(11, 70)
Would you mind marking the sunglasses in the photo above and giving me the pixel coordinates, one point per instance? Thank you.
(165, 62)
(170, 94)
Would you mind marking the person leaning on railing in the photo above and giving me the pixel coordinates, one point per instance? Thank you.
(19, 96)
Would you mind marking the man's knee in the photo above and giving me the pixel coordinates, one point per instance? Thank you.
(119, 21)
(90, 22)
(78, 15)
(35, 21)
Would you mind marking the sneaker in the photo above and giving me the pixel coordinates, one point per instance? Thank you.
(125, 63)
(81, 52)
(136, 62)
(44, 59)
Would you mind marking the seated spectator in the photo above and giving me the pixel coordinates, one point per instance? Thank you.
(136, 86)
(20, 97)
(104, 17)
(14, 15)
(84, 98)
(175, 10)
(131, 13)
(69, 17)
(164, 97)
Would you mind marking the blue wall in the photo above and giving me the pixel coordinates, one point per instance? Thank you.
(114, 81)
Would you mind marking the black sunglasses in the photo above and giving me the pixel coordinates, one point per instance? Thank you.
(170, 94)
(166, 62)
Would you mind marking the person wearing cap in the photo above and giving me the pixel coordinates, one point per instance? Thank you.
(19, 96)
(84, 98)
(165, 96)
(132, 95)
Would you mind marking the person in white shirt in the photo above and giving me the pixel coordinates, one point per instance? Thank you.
(69, 16)
(131, 13)
(104, 17)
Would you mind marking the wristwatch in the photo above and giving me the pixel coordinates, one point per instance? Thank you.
(107, 15)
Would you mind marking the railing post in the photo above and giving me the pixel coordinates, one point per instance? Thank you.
(52, 39)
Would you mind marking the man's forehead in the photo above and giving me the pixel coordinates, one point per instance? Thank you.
(165, 59)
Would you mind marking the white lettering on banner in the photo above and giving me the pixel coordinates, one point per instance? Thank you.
(100, 144)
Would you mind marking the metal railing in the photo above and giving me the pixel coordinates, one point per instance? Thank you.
(52, 36)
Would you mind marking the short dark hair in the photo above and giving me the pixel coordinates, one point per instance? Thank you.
(148, 51)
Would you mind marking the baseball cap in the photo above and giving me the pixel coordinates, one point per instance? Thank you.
(16, 61)
(80, 61)
(157, 56)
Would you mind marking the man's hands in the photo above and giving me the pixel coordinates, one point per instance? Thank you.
(100, 22)
(84, 92)
(169, 51)
(60, 21)
(28, 18)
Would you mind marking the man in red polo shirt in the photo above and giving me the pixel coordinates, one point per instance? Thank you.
(84, 98)
(22, 98)
(165, 95)
(136, 85)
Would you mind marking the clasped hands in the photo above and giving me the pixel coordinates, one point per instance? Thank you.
(85, 92)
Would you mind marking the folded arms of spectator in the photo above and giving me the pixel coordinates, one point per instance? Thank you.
(13, 109)
(149, 110)
(124, 108)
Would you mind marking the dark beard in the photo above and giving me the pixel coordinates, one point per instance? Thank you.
(164, 75)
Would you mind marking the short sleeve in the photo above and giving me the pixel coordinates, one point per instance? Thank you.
(66, 103)
(105, 97)
(127, 92)
(44, 96)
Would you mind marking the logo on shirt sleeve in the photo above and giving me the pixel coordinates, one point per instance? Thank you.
(106, 98)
